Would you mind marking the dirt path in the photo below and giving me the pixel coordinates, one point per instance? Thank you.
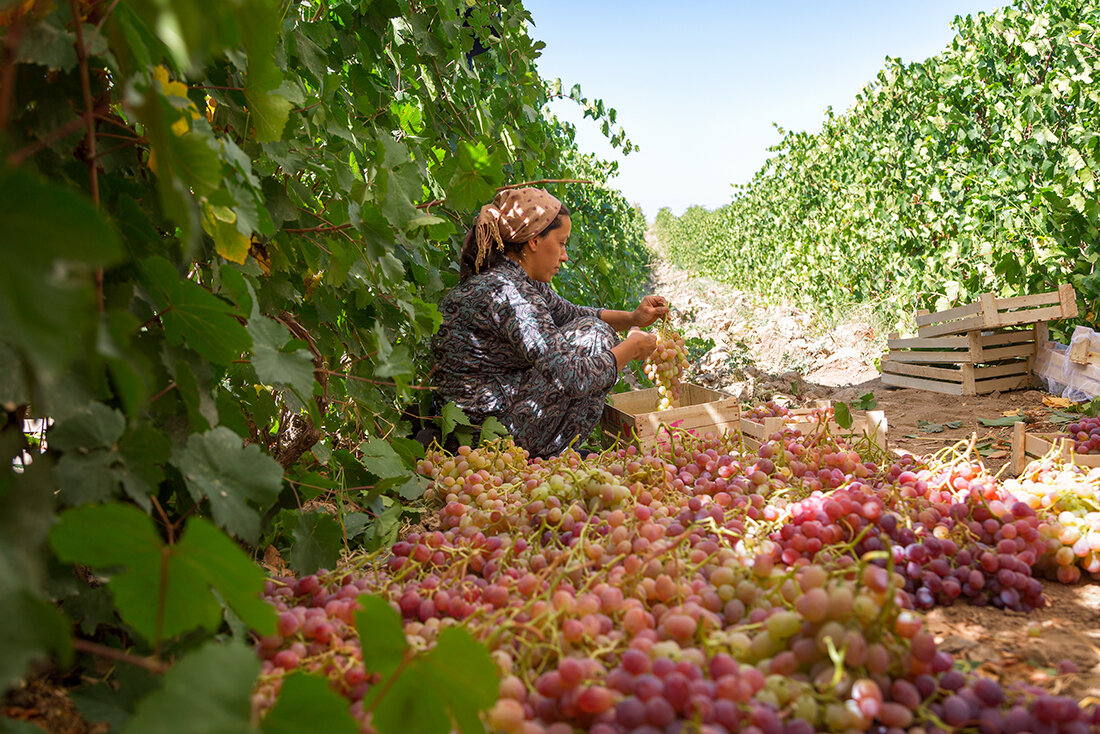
(762, 352)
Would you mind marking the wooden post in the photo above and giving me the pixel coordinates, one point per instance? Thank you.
(974, 340)
(968, 386)
(990, 315)
(1067, 298)
(1019, 455)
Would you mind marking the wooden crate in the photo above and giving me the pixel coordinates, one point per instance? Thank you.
(871, 424)
(976, 363)
(1027, 447)
(634, 415)
(990, 312)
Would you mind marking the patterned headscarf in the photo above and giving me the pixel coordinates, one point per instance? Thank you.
(516, 215)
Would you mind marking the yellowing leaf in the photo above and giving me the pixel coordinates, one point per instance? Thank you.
(1012, 412)
(220, 223)
(176, 89)
(1053, 401)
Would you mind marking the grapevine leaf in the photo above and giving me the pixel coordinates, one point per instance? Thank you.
(207, 552)
(275, 367)
(843, 415)
(239, 481)
(475, 178)
(318, 541)
(380, 459)
(306, 703)
(1007, 420)
(192, 314)
(399, 182)
(414, 488)
(463, 676)
(48, 45)
(13, 386)
(453, 416)
(32, 627)
(206, 692)
(93, 426)
(270, 110)
(405, 708)
(491, 429)
(397, 363)
(381, 635)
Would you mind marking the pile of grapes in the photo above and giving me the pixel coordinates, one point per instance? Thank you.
(697, 587)
(666, 365)
(1085, 435)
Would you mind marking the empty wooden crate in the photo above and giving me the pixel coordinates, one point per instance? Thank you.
(634, 415)
(990, 312)
(975, 363)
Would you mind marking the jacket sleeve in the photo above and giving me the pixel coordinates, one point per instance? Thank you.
(561, 310)
(527, 322)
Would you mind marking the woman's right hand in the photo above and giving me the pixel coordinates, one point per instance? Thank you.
(642, 343)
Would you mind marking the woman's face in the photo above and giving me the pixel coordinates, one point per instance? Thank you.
(546, 253)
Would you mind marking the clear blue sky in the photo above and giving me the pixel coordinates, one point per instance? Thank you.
(698, 85)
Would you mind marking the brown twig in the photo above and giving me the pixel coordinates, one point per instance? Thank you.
(162, 393)
(153, 665)
(106, 14)
(50, 138)
(8, 63)
(373, 382)
(325, 228)
(544, 181)
(89, 120)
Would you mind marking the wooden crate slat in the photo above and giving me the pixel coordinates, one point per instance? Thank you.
(951, 313)
(940, 357)
(1023, 367)
(1002, 353)
(942, 342)
(1036, 299)
(1026, 317)
(920, 370)
(1006, 337)
(1003, 383)
(922, 384)
(954, 327)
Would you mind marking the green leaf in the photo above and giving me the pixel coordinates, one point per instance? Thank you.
(414, 488)
(48, 45)
(452, 416)
(405, 708)
(193, 315)
(269, 109)
(475, 178)
(398, 181)
(1007, 420)
(463, 673)
(318, 542)
(866, 401)
(239, 481)
(208, 553)
(491, 429)
(381, 635)
(843, 415)
(207, 692)
(274, 366)
(307, 704)
(380, 459)
(51, 243)
(397, 363)
(952, 424)
(928, 427)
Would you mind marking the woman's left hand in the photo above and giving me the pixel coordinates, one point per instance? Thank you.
(649, 310)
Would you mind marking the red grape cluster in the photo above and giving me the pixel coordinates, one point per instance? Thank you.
(1085, 434)
(697, 587)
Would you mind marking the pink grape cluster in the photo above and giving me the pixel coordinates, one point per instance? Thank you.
(769, 409)
(696, 585)
(666, 365)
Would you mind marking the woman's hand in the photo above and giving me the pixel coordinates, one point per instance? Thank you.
(637, 345)
(649, 310)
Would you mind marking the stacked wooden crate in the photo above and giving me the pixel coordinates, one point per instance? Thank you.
(979, 348)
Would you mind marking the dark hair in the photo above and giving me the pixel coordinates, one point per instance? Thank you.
(468, 255)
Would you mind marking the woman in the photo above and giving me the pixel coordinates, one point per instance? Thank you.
(510, 347)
